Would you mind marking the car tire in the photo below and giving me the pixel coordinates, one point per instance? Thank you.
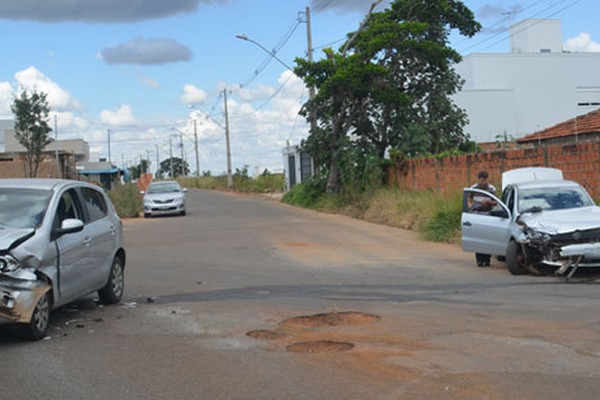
(113, 291)
(146, 215)
(182, 213)
(515, 259)
(37, 328)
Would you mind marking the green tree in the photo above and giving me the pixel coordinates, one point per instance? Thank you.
(31, 127)
(137, 170)
(173, 167)
(389, 86)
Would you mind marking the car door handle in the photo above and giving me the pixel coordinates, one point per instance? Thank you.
(467, 223)
(87, 241)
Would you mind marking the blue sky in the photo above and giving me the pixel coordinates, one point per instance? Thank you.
(133, 66)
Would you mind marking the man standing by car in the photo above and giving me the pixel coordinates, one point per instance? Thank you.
(481, 203)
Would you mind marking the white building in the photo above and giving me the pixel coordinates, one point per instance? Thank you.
(533, 87)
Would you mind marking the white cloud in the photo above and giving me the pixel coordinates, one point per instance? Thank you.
(58, 98)
(6, 99)
(254, 93)
(122, 117)
(582, 43)
(193, 95)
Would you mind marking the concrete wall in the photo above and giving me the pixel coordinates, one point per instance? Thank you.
(579, 162)
(522, 93)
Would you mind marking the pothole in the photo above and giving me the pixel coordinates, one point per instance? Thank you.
(320, 346)
(345, 318)
(263, 334)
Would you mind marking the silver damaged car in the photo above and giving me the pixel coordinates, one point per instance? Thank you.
(540, 220)
(59, 241)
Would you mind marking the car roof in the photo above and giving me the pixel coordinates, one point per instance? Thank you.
(546, 184)
(38, 183)
(156, 183)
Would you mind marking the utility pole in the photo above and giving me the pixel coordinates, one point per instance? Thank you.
(147, 160)
(157, 161)
(108, 136)
(171, 153)
(196, 148)
(58, 174)
(182, 162)
(229, 176)
(311, 90)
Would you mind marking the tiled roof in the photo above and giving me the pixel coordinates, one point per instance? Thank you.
(587, 123)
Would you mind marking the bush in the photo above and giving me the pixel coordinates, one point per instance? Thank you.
(127, 200)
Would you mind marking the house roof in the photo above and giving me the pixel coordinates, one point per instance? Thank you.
(587, 123)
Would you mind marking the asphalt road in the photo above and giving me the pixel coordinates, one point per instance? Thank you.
(246, 298)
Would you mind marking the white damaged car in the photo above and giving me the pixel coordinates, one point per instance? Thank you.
(541, 219)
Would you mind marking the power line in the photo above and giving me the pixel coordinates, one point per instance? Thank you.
(553, 5)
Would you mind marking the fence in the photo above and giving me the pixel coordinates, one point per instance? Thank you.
(579, 162)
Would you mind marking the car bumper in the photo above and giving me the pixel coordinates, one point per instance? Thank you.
(19, 298)
(585, 254)
(164, 209)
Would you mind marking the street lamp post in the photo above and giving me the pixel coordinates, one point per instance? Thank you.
(271, 52)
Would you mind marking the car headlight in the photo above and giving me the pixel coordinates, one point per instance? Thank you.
(9, 264)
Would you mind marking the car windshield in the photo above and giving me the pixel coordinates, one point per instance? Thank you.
(23, 208)
(164, 188)
(555, 198)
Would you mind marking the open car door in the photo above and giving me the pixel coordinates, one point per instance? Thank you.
(485, 232)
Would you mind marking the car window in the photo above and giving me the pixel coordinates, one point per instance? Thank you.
(23, 208)
(163, 188)
(553, 198)
(95, 203)
(68, 208)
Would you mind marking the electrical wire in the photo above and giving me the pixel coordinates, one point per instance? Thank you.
(539, 13)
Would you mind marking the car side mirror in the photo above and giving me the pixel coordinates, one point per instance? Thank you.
(70, 225)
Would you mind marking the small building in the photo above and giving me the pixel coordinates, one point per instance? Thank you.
(298, 166)
(104, 173)
(63, 154)
(580, 129)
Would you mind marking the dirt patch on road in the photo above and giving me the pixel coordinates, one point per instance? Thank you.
(320, 346)
(346, 318)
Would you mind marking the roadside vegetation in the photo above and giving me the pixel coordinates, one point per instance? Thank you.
(127, 200)
(267, 182)
(435, 216)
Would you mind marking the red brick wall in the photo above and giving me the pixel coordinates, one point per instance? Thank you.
(579, 162)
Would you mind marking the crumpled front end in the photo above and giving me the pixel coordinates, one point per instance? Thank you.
(19, 294)
(565, 250)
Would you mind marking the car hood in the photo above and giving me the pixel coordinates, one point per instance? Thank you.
(563, 221)
(11, 237)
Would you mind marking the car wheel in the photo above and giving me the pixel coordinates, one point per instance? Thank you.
(515, 259)
(182, 212)
(112, 292)
(146, 215)
(38, 326)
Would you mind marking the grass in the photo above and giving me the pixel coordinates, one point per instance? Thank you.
(436, 217)
(127, 200)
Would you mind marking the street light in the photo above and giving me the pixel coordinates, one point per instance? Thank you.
(271, 53)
